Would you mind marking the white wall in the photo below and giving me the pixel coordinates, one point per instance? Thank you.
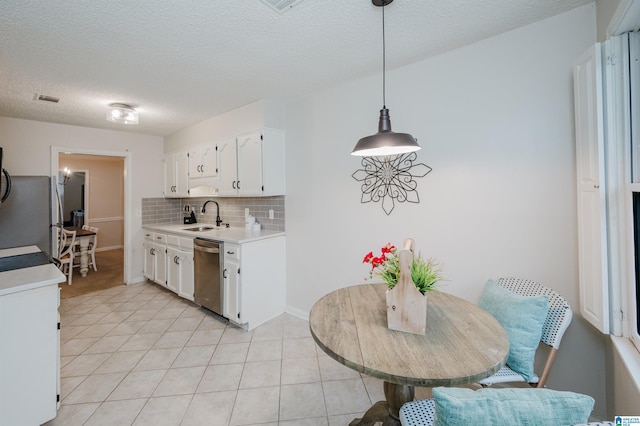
(248, 118)
(27, 151)
(495, 120)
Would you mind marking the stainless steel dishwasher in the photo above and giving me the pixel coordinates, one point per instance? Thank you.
(208, 274)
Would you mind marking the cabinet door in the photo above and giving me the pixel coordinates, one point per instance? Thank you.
(185, 285)
(227, 167)
(195, 161)
(209, 161)
(181, 165)
(169, 175)
(173, 269)
(160, 264)
(148, 260)
(250, 164)
(231, 291)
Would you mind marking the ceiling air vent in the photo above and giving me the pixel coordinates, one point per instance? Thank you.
(281, 6)
(45, 98)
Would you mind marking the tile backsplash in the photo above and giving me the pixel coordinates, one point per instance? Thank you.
(171, 210)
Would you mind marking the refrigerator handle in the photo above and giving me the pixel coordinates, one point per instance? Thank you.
(8, 189)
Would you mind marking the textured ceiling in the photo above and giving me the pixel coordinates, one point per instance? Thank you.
(180, 62)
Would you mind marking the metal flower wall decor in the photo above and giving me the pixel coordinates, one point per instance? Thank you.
(390, 179)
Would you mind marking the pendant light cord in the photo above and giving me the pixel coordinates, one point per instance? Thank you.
(384, 100)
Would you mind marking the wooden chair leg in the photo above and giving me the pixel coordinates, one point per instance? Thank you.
(547, 368)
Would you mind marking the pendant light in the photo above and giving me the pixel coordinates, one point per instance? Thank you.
(385, 142)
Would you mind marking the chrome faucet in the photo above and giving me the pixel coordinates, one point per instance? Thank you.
(218, 220)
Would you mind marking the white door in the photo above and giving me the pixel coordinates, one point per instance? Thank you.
(160, 264)
(173, 269)
(231, 291)
(195, 163)
(169, 175)
(182, 174)
(592, 250)
(209, 161)
(148, 260)
(185, 286)
(227, 167)
(250, 164)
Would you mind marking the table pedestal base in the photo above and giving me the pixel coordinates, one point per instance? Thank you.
(387, 412)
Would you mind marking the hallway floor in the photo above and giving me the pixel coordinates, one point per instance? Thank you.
(139, 355)
(110, 273)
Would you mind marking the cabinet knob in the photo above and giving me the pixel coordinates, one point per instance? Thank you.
(596, 186)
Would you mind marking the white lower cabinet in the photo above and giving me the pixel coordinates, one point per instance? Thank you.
(254, 281)
(160, 263)
(173, 269)
(253, 288)
(29, 368)
(155, 257)
(180, 266)
(231, 283)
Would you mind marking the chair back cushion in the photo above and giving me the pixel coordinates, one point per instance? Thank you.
(511, 406)
(559, 315)
(522, 317)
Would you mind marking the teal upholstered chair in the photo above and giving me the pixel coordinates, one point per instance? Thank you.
(554, 324)
(499, 407)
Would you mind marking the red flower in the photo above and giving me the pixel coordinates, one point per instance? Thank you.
(376, 261)
(388, 248)
(368, 257)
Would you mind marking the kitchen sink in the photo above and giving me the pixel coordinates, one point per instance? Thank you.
(199, 228)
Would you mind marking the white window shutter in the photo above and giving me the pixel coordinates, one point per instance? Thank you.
(592, 241)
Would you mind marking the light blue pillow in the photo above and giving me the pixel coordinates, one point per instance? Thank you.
(522, 317)
(508, 407)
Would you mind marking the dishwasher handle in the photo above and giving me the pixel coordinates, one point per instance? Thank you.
(206, 249)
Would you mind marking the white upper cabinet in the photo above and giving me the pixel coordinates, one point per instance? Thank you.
(249, 151)
(252, 164)
(227, 170)
(203, 162)
(176, 175)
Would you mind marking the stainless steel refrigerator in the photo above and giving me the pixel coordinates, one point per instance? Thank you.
(25, 215)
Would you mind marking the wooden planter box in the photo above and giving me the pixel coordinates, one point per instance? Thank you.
(406, 306)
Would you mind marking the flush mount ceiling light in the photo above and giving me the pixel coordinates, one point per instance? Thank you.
(385, 142)
(281, 6)
(122, 113)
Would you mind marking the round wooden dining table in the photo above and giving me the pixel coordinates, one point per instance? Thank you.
(463, 344)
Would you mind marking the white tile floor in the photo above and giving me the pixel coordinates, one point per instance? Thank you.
(139, 355)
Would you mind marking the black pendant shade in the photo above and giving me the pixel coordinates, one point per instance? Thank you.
(385, 142)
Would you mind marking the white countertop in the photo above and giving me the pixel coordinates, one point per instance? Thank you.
(229, 235)
(27, 278)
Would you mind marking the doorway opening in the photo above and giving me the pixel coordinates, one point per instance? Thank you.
(95, 193)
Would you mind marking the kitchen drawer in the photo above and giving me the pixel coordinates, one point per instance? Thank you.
(173, 240)
(160, 238)
(231, 251)
(180, 242)
(148, 235)
(186, 243)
